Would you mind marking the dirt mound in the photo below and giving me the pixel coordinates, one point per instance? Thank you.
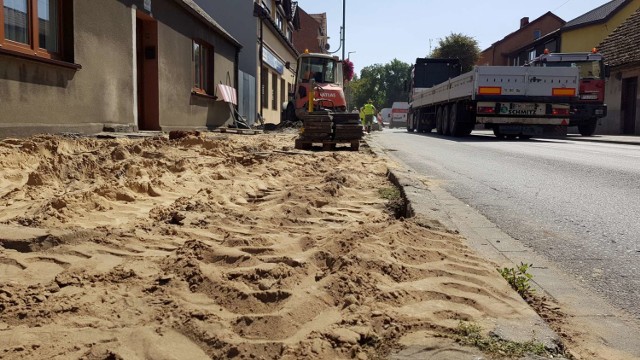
(210, 246)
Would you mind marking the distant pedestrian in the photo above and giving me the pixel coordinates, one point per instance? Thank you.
(369, 111)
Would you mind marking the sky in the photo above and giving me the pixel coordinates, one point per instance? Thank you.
(379, 31)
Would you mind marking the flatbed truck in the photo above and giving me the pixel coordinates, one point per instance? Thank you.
(512, 101)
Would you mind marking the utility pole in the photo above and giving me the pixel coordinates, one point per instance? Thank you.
(344, 3)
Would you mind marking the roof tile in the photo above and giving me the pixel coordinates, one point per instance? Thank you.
(621, 46)
(597, 15)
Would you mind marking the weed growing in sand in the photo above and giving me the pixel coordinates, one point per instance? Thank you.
(519, 278)
(389, 193)
(395, 203)
(470, 334)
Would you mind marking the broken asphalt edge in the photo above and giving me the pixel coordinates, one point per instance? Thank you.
(588, 311)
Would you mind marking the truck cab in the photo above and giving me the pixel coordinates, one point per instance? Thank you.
(590, 105)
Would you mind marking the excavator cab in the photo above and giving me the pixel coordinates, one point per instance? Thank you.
(319, 67)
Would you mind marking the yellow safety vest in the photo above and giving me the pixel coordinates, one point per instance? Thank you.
(369, 109)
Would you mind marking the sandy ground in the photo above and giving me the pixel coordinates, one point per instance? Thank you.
(225, 246)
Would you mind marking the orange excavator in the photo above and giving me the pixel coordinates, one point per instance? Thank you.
(319, 102)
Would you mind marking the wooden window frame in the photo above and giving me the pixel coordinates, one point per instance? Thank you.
(206, 77)
(33, 48)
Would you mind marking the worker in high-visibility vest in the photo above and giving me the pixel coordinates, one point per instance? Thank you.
(369, 111)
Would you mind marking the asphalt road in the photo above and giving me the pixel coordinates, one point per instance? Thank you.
(576, 203)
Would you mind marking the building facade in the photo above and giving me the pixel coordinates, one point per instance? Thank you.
(234, 16)
(96, 64)
(312, 35)
(581, 34)
(590, 29)
(276, 22)
(621, 50)
(506, 51)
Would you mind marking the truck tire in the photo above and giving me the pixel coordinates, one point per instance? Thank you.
(439, 120)
(411, 123)
(468, 128)
(456, 124)
(446, 121)
(588, 127)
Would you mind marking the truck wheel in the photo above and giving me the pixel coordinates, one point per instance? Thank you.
(411, 125)
(588, 127)
(497, 133)
(446, 123)
(468, 128)
(457, 128)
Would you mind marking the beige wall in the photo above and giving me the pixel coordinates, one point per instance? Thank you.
(612, 123)
(36, 97)
(587, 37)
(285, 54)
(178, 107)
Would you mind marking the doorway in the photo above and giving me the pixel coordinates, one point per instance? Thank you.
(147, 72)
(629, 101)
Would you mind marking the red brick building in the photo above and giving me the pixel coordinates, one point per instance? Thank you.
(312, 34)
(498, 53)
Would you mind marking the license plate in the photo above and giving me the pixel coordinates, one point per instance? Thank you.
(521, 109)
(589, 97)
(518, 106)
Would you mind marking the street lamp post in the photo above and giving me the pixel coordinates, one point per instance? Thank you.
(348, 86)
(344, 31)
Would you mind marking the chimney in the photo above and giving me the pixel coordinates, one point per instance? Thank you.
(523, 22)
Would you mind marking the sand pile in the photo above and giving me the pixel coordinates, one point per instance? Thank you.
(223, 247)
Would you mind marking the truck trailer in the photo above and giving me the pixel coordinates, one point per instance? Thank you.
(512, 101)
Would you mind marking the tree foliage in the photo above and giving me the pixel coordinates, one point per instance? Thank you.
(458, 46)
(383, 84)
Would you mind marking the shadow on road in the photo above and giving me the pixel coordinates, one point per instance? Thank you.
(480, 136)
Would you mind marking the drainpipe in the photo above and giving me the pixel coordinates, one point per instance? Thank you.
(344, 30)
(261, 66)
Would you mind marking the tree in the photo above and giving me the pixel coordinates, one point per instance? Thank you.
(458, 46)
(383, 84)
(395, 75)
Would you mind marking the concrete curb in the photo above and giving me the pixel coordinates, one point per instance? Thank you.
(588, 312)
(425, 205)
